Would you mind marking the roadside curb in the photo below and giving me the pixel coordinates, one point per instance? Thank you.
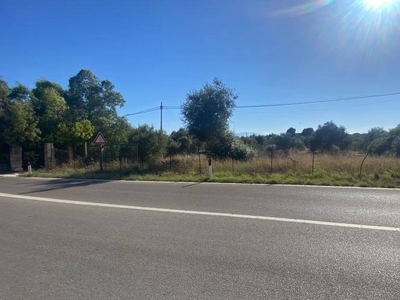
(202, 183)
(9, 175)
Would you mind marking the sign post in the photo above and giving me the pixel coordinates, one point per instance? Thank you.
(101, 141)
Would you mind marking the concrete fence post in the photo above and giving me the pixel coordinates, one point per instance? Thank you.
(49, 159)
(16, 158)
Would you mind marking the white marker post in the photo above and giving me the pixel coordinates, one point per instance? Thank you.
(29, 167)
(209, 167)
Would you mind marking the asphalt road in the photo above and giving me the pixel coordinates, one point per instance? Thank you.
(188, 245)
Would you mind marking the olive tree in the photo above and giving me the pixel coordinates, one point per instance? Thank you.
(206, 112)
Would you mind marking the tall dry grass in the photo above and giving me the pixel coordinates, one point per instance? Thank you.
(297, 162)
(295, 168)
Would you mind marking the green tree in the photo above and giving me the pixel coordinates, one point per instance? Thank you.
(306, 136)
(187, 143)
(151, 144)
(329, 136)
(173, 147)
(50, 108)
(307, 131)
(20, 93)
(73, 134)
(90, 98)
(291, 131)
(240, 151)
(385, 142)
(118, 131)
(206, 112)
(283, 142)
(376, 133)
(396, 146)
(253, 141)
(4, 93)
(230, 145)
(19, 124)
(42, 85)
(394, 140)
(359, 142)
(315, 143)
(379, 146)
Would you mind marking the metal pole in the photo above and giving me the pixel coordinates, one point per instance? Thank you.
(312, 168)
(272, 154)
(199, 162)
(161, 109)
(101, 157)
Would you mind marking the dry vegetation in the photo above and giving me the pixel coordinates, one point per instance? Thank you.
(295, 168)
(298, 162)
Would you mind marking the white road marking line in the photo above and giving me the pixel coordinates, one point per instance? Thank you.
(203, 213)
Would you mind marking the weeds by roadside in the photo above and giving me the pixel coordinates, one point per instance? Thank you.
(338, 170)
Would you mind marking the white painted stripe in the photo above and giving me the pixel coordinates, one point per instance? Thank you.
(202, 213)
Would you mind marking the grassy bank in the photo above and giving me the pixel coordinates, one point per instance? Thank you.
(329, 170)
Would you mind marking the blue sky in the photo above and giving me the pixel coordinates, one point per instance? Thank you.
(270, 51)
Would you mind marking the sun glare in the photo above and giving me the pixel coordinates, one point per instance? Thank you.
(378, 5)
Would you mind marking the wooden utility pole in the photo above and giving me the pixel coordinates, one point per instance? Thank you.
(161, 109)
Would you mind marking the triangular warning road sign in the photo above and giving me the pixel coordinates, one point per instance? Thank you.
(99, 140)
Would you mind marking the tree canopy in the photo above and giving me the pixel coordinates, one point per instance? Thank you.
(206, 112)
(72, 116)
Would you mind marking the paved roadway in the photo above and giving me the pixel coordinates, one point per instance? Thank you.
(196, 241)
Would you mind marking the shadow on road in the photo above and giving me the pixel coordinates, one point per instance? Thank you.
(192, 184)
(58, 184)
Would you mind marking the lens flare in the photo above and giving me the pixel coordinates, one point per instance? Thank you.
(379, 5)
(302, 9)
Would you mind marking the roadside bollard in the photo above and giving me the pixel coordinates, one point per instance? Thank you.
(209, 168)
(29, 167)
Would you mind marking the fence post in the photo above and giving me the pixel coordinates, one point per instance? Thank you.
(49, 158)
(312, 167)
(199, 162)
(29, 167)
(16, 158)
(70, 154)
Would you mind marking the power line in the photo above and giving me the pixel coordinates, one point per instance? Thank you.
(318, 101)
(143, 111)
(331, 108)
(277, 104)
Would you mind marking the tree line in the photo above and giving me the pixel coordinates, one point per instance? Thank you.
(48, 113)
(330, 138)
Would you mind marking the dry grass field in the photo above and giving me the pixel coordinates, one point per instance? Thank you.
(295, 168)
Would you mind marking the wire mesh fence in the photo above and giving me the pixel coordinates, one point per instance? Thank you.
(133, 158)
(113, 157)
